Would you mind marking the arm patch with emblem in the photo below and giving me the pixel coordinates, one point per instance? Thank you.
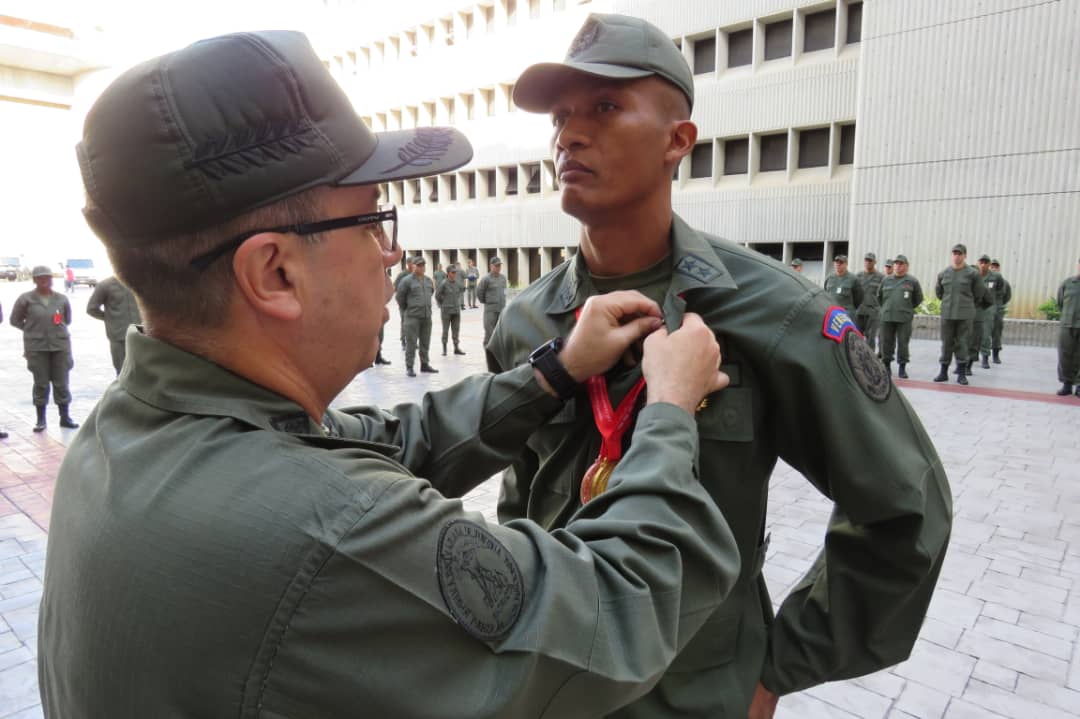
(479, 579)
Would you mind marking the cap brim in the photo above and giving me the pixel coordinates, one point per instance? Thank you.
(538, 87)
(408, 154)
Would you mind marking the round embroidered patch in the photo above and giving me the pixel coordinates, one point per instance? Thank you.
(870, 373)
(479, 580)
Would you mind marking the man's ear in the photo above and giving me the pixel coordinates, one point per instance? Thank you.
(681, 140)
(267, 268)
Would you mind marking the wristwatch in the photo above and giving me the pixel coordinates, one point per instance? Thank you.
(545, 359)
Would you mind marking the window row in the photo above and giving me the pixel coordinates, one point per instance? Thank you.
(448, 110)
(776, 37)
(483, 18)
(528, 178)
(801, 148)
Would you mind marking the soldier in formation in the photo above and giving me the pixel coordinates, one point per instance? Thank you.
(448, 297)
(113, 303)
(491, 293)
(961, 292)
(1068, 299)
(415, 293)
(842, 287)
(868, 311)
(1002, 297)
(899, 295)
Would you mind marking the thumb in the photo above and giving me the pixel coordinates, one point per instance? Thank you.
(637, 328)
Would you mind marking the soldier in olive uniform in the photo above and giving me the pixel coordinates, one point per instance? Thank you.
(113, 303)
(796, 264)
(491, 293)
(448, 297)
(1068, 300)
(961, 291)
(44, 316)
(867, 314)
(842, 287)
(805, 387)
(415, 293)
(899, 295)
(472, 277)
(1003, 296)
(983, 326)
(888, 267)
(225, 544)
(402, 274)
(438, 275)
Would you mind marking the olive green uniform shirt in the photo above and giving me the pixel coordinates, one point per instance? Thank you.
(844, 291)
(491, 292)
(216, 553)
(898, 297)
(1068, 300)
(869, 283)
(414, 294)
(827, 408)
(112, 302)
(960, 291)
(44, 321)
(449, 297)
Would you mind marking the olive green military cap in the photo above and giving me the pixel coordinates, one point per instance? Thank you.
(840, 258)
(960, 248)
(984, 258)
(419, 260)
(613, 46)
(796, 262)
(889, 262)
(901, 258)
(204, 134)
(41, 271)
(870, 256)
(995, 262)
(495, 261)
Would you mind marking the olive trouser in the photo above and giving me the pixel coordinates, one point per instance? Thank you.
(995, 334)
(471, 294)
(451, 322)
(491, 318)
(955, 339)
(868, 325)
(1069, 355)
(975, 338)
(50, 367)
(417, 336)
(896, 336)
(118, 349)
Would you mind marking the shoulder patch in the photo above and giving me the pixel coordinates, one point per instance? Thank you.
(479, 580)
(870, 374)
(837, 324)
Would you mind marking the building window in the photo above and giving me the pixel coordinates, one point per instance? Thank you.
(511, 181)
(820, 30)
(410, 43)
(740, 47)
(814, 148)
(433, 192)
(447, 24)
(488, 97)
(395, 120)
(429, 113)
(488, 14)
(467, 106)
(451, 187)
(774, 152)
(736, 156)
(511, 12)
(380, 122)
(469, 178)
(508, 90)
(534, 9)
(414, 189)
(397, 193)
(549, 166)
(854, 23)
(701, 160)
(532, 171)
(450, 107)
(704, 55)
(778, 39)
(467, 23)
(847, 144)
(411, 117)
(489, 178)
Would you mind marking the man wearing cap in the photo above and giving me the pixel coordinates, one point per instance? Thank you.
(43, 317)
(900, 294)
(961, 291)
(796, 264)
(984, 315)
(448, 296)
(472, 277)
(401, 275)
(1002, 297)
(807, 388)
(414, 293)
(867, 314)
(888, 267)
(491, 293)
(223, 544)
(1068, 300)
(114, 304)
(843, 288)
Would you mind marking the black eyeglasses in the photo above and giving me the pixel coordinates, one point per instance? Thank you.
(386, 236)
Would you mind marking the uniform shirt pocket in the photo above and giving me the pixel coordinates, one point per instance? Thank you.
(728, 416)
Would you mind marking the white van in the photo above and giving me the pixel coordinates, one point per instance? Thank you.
(85, 272)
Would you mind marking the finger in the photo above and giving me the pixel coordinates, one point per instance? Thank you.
(692, 320)
(628, 302)
(637, 328)
(720, 381)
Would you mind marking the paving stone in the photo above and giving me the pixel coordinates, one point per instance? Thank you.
(804, 706)
(884, 683)
(991, 673)
(34, 712)
(943, 669)
(959, 709)
(945, 634)
(922, 701)
(1014, 657)
(853, 699)
(1024, 637)
(956, 609)
(1011, 705)
(18, 687)
(18, 655)
(1001, 613)
(1048, 693)
(1068, 632)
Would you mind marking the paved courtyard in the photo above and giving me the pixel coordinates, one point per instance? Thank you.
(1001, 638)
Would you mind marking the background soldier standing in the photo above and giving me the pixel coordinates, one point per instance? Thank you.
(448, 297)
(866, 316)
(1068, 299)
(414, 293)
(472, 276)
(1003, 292)
(438, 275)
(960, 290)
(113, 302)
(984, 316)
(888, 267)
(898, 296)
(407, 272)
(843, 289)
(491, 292)
(796, 264)
(44, 316)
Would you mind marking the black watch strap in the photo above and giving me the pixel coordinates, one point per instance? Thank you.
(545, 359)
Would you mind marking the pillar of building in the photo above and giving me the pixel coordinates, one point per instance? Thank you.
(545, 259)
(444, 258)
(523, 267)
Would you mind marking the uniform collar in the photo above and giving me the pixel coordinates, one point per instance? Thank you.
(695, 265)
(171, 379)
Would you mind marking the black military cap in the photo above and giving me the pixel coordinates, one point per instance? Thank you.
(201, 135)
(615, 46)
(870, 256)
(889, 262)
(419, 260)
(495, 261)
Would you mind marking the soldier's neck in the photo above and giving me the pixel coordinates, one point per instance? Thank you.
(626, 245)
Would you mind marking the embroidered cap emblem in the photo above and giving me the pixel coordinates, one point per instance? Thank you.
(479, 580)
(585, 38)
(428, 145)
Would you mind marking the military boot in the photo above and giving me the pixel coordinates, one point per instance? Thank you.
(65, 418)
(902, 374)
(3, 434)
(443, 349)
(962, 375)
(986, 361)
(997, 356)
(379, 359)
(425, 367)
(458, 350)
(888, 368)
(943, 375)
(40, 426)
(1066, 389)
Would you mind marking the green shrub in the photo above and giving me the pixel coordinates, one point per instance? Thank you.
(931, 306)
(1050, 309)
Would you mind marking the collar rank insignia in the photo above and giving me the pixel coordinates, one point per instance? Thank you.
(837, 324)
(696, 268)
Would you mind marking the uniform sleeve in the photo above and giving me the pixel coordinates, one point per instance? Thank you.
(1060, 301)
(481, 290)
(67, 312)
(857, 293)
(917, 295)
(512, 621)
(440, 292)
(18, 314)
(939, 289)
(401, 293)
(861, 605)
(979, 292)
(97, 299)
(517, 478)
(1008, 292)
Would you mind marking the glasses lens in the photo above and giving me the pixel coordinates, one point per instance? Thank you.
(387, 230)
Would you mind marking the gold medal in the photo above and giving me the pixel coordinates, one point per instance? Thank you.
(596, 478)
